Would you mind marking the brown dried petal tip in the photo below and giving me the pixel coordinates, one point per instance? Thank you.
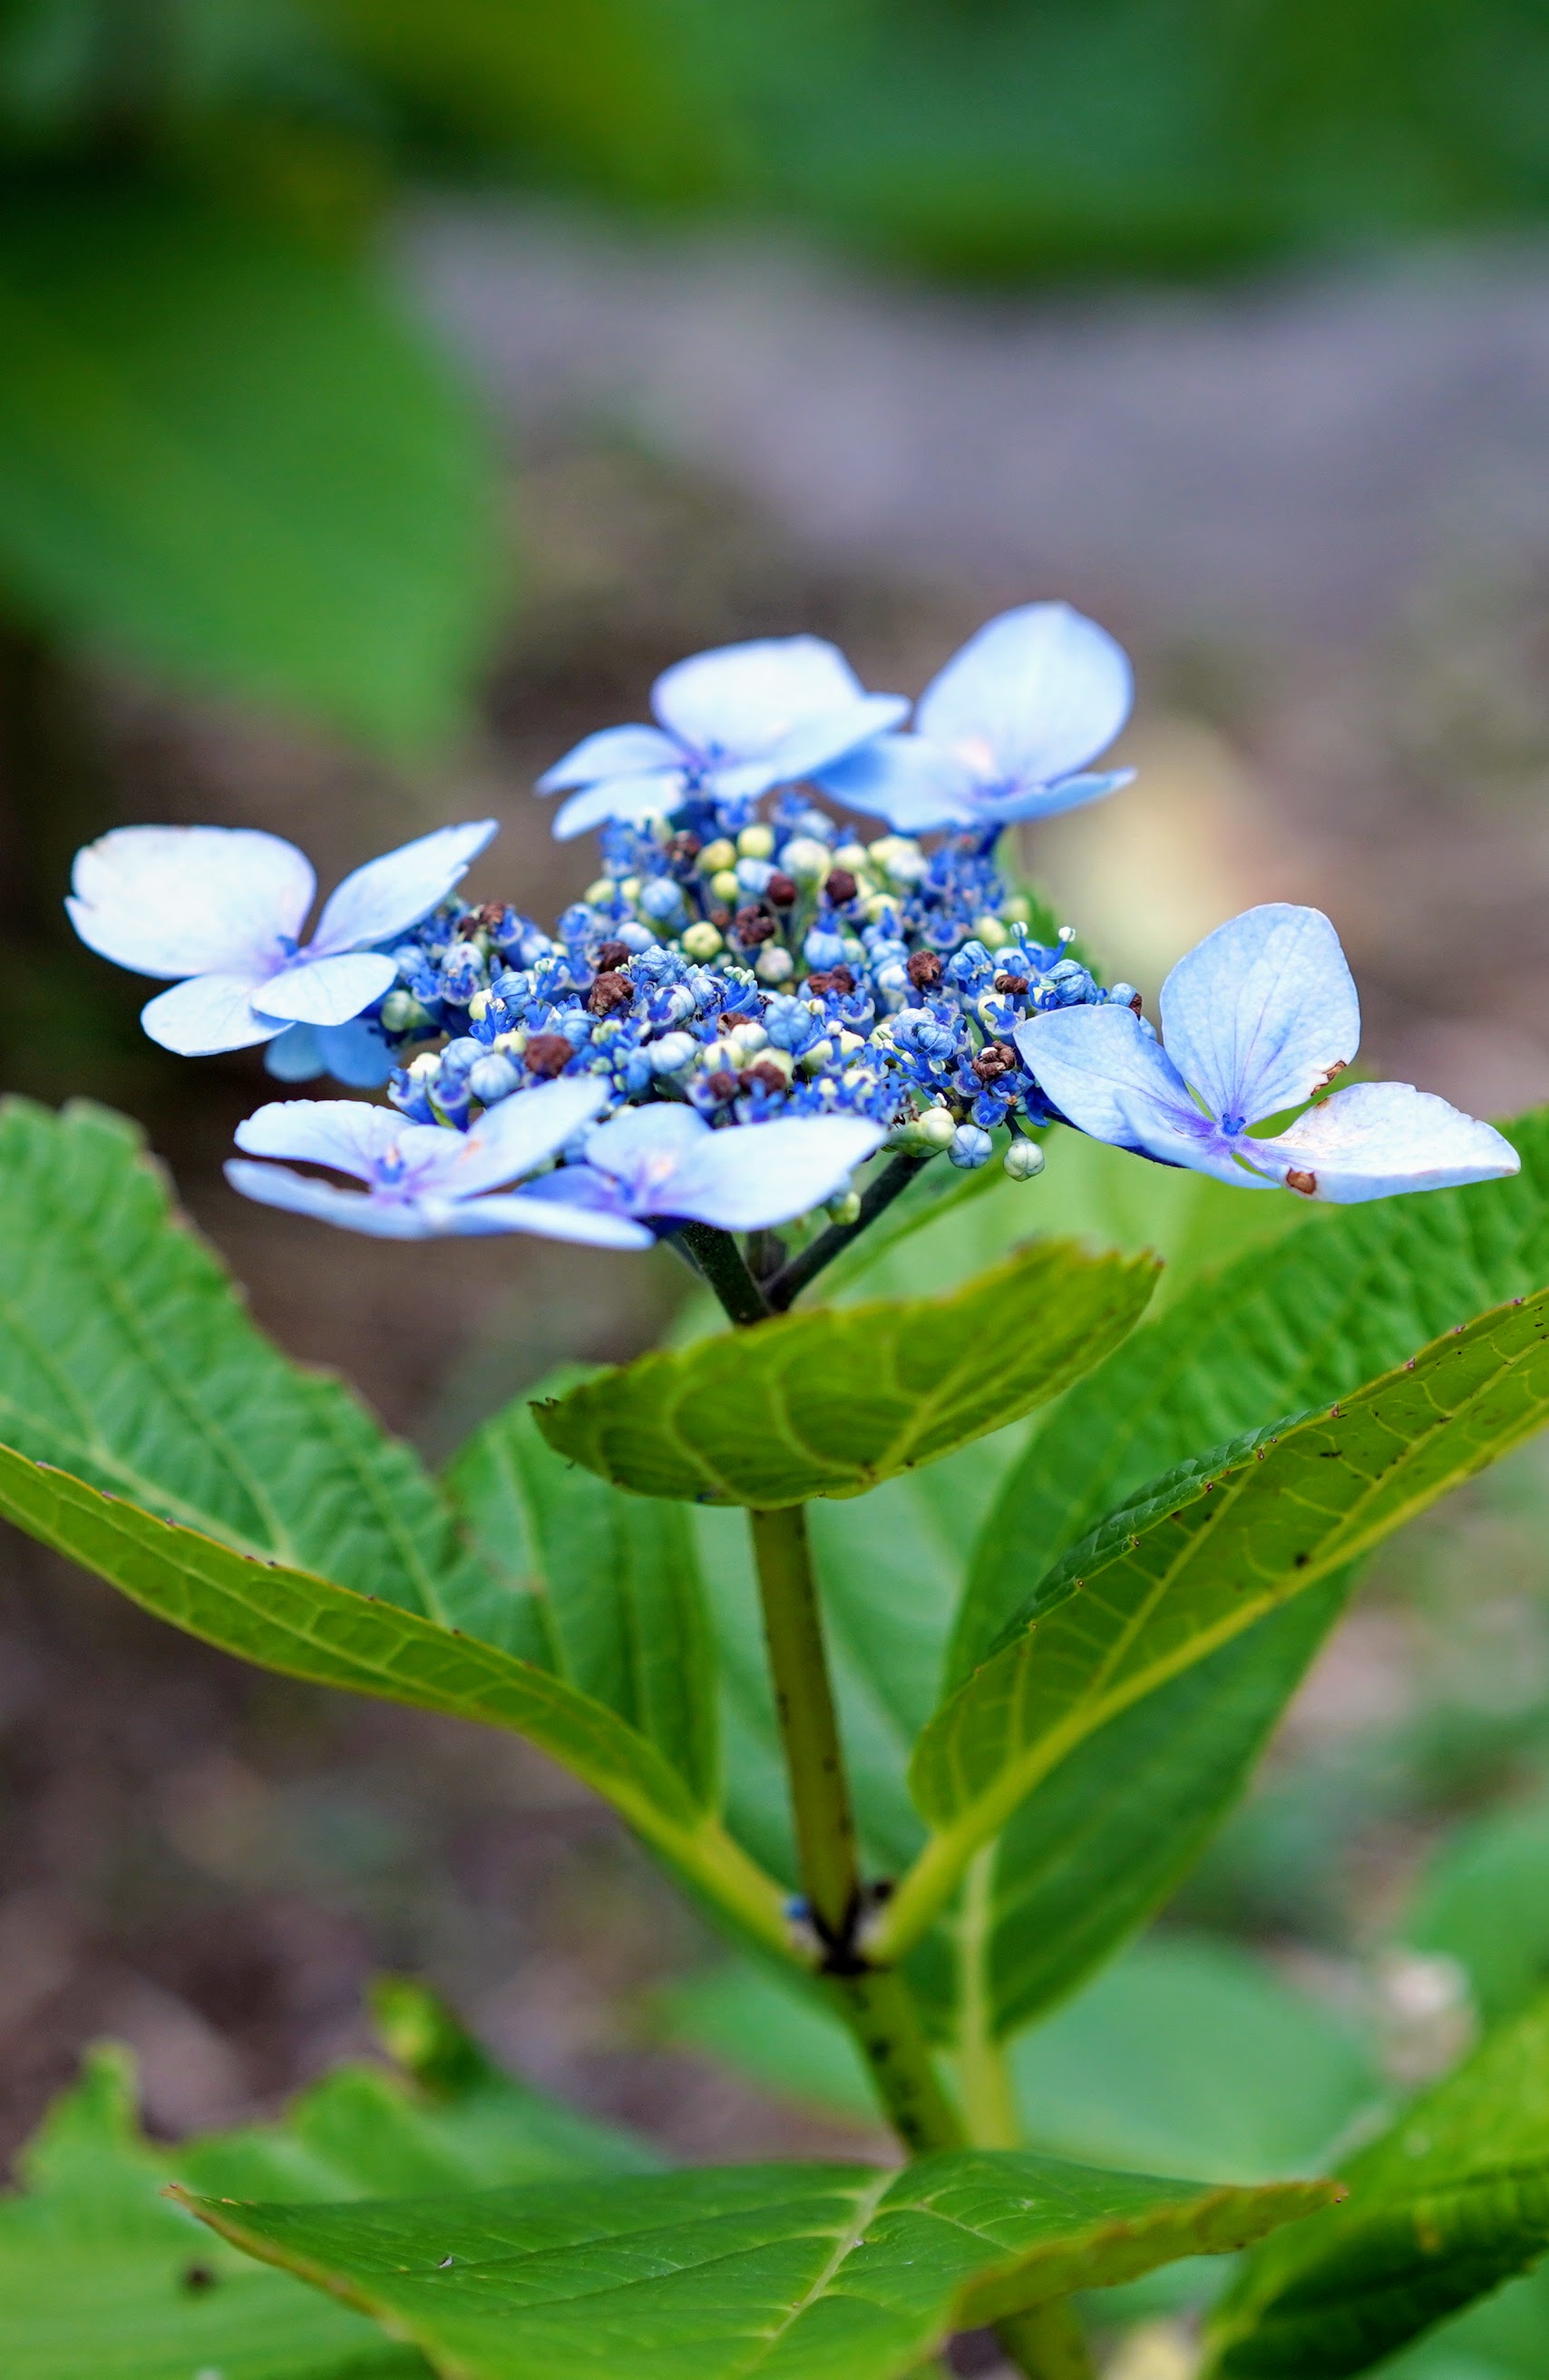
(1013, 985)
(610, 992)
(612, 956)
(840, 886)
(925, 970)
(753, 926)
(484, 919)
(997, 1057)
(1306, 1182)
(824, 979)
(766, 1071)
(724, 1084)
(548, 1053)
(780, 889)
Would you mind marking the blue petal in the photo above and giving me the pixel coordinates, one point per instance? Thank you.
(1108, 1075)
(206, 1013)
(638, 1137)
(634, 800)
(510, 1138)
(553, 1219)
(350, 1135)
(1260, 1012)
(1032, 698)
(813, 745)
(1377, 1139)
(294, 1056)
(174, 901)
(354, 1053)
(353, 1210)
(1052, 801)
(747, 1177)
(390, 894)
(739, 702)
(612, 752)
(326, 991)
(912, 784)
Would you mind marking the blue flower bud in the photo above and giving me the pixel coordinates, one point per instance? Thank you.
(823, 950)
(672, 1053)
(971, 1147)
(661, 897)
(1023, 1159)
(493, 1077)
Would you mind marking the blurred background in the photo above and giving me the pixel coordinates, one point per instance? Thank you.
(386, 394)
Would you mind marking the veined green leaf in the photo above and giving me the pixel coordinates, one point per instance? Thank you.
(101, 2273)
(307, 1627)
(1099, 1845)
(1215, 1546)
(603, 1587)
(222, 456)
(832, 1402)
(127, 1358)
(1281, 1330)
(831, 2272)
(1449, 2203)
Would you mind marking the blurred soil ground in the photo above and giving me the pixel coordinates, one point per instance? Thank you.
(1319, 514)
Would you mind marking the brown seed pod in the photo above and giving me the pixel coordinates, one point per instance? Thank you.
(548, 1053)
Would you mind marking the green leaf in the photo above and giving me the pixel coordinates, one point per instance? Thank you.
(307, 1627)
(1283, 1329)
(783, 2037)
(832, 1402)
(1096, 1847)
(605, 1588)
(1101, 1843)
(1501, 2338)
(222, 456)
(101, 2273)
(835, 2270)
(1215, 1546)
(127, 1358)
(1189, 2055)
(1449, 2204)
(1484, 1901)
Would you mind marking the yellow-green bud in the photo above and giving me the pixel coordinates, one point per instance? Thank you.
(701, 941)
(988, 930)
(1023, 1159)
(806, 859)
(724, 885)
(603, 890)
(755, 842)
(629, 888)
(774, 965)
(854, 855)
(1017, 910)
(846, 1208)
(716, 856)
(900, 857)
(935, 1128)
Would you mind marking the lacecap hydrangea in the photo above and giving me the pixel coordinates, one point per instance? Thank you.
(778, 999)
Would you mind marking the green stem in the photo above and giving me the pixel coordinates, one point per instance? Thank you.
(876, 2002)
(808, 1724)
(716, 1257)
(1048, 2343)
(988, 2104)
(789, 1282)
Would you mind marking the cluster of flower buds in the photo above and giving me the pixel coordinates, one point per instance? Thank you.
(773, 999)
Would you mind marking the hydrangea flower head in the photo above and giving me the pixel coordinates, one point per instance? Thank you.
(665, 1162)
(219, 910)
(1256, 1018)
(424, 1182)
(1005, 731)
(733, 724)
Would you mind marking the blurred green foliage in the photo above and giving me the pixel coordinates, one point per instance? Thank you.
(227, 459)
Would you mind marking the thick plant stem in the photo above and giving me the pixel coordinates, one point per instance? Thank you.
(876, 2002)
(716, 1257)
(808, 1726)
(879, 2006)
(1048, 2343)
(789, 1282)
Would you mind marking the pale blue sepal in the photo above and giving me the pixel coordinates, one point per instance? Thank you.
(1376, 1140)
(209, 1012)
